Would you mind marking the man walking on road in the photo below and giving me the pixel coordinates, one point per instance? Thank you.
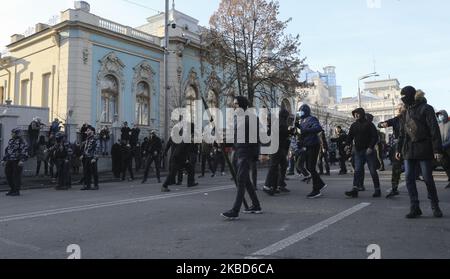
(420, 142)
(245, 151)
(365, 136)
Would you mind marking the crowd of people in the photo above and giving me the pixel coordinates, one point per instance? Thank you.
(419, 143)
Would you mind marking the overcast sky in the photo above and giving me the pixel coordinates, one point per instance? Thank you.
(404, 39)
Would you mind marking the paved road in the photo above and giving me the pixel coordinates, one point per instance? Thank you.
(138, 221)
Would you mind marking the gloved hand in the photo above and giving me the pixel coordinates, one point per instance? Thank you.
(20, 164)
(398, 156)
(369, 151)
(438, 157)
(155, 153)
(93, 161)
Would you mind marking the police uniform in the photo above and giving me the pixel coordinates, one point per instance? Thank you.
(90, 150)
(16, 153)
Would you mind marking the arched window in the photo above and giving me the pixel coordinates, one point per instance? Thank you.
(143, 104)
(110, 98)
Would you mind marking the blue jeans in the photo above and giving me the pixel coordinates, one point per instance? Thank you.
(427, 172)
(361, 158)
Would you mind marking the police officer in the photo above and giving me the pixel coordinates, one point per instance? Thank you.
(16, 153)
(62, 153)
(152, 153)
(91, 148)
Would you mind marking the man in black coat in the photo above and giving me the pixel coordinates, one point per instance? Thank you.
(341, 141)
(126, 155)
(419, 143)
(152, 153)
(365, 137)
(125, 133)
(278, 161)
(396, 164)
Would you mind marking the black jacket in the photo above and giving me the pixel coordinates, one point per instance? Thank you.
(430, 141)
(154, 145)
(363, 132)
(125, 133)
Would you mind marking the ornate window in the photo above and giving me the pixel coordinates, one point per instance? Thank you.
(109, 98)
(143, 104)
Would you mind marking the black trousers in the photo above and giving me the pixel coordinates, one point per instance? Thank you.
(277, 169)
(63, 169)
(13, 175)
(90, 170)
(127, 165)
(207, 158)
(311, 155)
(176, 166)
(219, 160)
(243, 163)
(342, 164)
(300, 165)
(38, 167)
(323, 158)
(254, 170)
(148, 162)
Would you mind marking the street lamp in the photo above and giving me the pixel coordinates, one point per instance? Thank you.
(359, 87)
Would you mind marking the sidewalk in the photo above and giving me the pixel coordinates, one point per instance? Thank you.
(41, 182)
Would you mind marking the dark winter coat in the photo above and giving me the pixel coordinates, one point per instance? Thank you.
(420, 122)
(362, 132)
(310, 128)
(341, 142)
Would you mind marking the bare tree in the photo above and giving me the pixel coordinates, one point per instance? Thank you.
(250, 43)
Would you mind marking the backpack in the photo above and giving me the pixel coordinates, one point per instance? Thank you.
(415, 127)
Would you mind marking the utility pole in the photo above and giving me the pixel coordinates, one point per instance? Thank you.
(166, 73)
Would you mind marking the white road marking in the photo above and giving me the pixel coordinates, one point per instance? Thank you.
(51, 212)
(272, 249)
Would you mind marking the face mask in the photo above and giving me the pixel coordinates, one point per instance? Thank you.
(301, 113)
(408, 100)
(441, 118)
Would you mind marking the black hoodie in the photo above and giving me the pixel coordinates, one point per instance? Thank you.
(363, 132)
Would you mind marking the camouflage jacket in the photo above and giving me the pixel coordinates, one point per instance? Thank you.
(91, 147)
(17, 150)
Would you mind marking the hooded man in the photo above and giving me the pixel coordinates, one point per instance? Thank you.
(420, 142)
(91, 148)
(364, 135)
(340, 140)
(16, 153)
(310, 127)
(62, 153)
(444, 127)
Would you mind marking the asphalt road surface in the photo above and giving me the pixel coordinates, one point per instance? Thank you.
(135, 221)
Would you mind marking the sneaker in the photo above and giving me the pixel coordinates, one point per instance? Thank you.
(253, 210)
(15, 194)
(284, 190)
(201, 176)
(414, 213)
(268, 191)
(437, 211)
(230, 215)
(352, 194)
(96, 188)
(324, 187)
(314, 195)
(85, 188)
(193, 185)
(213, 175)
(144, 181)
(392, 194)
(165, 189)
(377, 194)
(362, 189)
(9, 193)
